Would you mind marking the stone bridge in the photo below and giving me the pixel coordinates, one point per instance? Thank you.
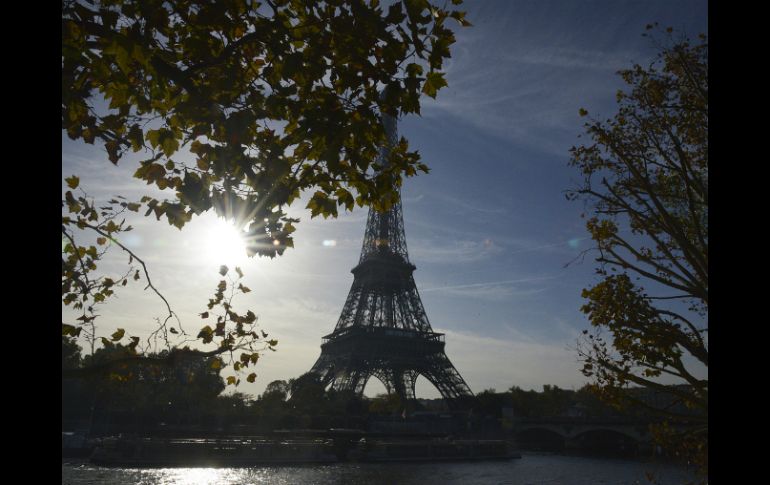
(619, 434)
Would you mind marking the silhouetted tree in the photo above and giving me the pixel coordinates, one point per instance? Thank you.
(307, 394)
(70, 353)
(273, 399)
(136, 392)
(490, 403)
(278, 388)
(646, 181)
(386, 404)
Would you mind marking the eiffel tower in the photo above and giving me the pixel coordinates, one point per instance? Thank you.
(383, 330)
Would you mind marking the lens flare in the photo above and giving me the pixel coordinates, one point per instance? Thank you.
(225, 244)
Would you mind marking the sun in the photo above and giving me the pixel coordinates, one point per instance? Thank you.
(224, 244)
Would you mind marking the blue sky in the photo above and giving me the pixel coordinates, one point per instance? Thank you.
(489, 228)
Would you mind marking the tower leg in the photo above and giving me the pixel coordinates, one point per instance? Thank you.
(442, 374)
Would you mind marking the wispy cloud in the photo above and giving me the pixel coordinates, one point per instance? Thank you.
(465, 205)
(452, 251)
(493, 290)
(413, 200)
(523, 73)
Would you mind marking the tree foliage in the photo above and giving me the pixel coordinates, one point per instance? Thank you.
(307, 393)
(387, 404)
(139, 393)
(645, 180)
(84, 289)
(243, 105)
(237, 106)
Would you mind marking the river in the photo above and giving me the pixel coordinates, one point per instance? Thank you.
(532, 469)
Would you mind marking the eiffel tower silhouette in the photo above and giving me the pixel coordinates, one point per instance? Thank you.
(383, 330)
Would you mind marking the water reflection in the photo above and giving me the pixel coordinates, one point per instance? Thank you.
(532, 468)
(196, 476)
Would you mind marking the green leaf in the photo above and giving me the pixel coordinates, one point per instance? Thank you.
(414, 70)
(433, 82)
(118, 334)
(252, 377)
(72, 182)
(460, 17)
(206, 334)
(134, 343)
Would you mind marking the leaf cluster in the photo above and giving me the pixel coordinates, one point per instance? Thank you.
(270, 100)
(84, 288)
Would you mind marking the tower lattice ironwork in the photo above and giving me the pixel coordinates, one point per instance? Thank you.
(383, 330)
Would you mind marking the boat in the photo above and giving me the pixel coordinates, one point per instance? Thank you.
(227, 452)
(336, 446)
(382, 450)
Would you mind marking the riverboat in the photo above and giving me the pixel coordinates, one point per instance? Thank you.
(253, 451)
(382, 450)
(232, 452)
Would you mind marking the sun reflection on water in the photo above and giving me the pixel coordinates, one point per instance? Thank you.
(200, 476)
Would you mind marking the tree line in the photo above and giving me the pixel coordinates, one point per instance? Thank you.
(141, 398)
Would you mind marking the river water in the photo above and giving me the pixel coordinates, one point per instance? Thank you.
(532, 469)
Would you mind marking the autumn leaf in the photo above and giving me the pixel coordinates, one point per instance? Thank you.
(433, 82)
(72, 182)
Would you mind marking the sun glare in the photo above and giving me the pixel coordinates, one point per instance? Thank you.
(225, 244)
